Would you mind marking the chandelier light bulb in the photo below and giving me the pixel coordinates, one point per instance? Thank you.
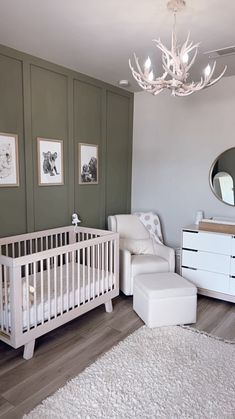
(207, 70)
(151, 76)
(185, 58)
(147, 64)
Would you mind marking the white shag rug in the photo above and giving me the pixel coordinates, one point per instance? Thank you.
(168, 372)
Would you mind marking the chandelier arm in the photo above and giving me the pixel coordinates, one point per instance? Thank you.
(143, 76)
(177, 93)
(217, 78)
(157, 93)
(185, 44)
(187, 68)
(171, 73)
(141, 79)
(138, 66)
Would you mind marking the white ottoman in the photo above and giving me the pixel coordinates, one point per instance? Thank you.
(164, 299)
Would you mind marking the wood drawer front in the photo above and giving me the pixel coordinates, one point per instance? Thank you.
(208, 242)
(206, 261)
(208, 280)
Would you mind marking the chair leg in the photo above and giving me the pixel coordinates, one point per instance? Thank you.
(29, 350)
(109, 306)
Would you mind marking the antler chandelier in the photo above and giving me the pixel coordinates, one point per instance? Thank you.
(176, 64)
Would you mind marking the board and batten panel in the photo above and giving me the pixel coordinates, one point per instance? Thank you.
(49, 93)
(12, 199)
(118, 158)
(89, 199)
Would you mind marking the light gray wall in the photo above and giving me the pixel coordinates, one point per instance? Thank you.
(175, 142)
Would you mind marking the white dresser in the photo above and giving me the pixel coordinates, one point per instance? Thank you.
(208, 260)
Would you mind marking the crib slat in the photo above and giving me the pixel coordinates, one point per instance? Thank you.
(1, 299)
(73, 278)
(98, 267)
(49, 288)
(61, 285)
(55, 287)
(35, 295)
(89, 272)
(13, 250)
(78, 276)
(27, 296)
(67, 279)
(42, 290)
(102, 267)
(6, 297)
(83, 275)
(107, 267)
(111, 264)
(115, 264)
(93, 271)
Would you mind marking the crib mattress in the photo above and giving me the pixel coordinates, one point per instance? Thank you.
(65, 294)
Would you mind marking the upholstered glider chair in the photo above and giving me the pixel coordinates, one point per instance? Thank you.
(140, 251)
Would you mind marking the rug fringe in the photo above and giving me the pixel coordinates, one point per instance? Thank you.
(202, 332)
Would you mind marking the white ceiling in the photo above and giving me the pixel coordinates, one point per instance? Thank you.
(97, 37)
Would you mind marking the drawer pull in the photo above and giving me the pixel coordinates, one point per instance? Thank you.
(193, 232)
(232, 276)
(187, 267)
(190, 250)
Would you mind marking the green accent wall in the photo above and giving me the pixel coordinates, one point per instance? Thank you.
(41, 99)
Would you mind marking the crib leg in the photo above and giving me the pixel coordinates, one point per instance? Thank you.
(109, 306)
(29, 350)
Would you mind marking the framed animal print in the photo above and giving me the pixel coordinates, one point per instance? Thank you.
(9, 160)
(50, 162)
(88, 164)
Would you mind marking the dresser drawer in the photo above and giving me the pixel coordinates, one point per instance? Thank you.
(208, 242)
(232, 266)
(232, 285)
(233, 246)
(206, 261)
(208, 280)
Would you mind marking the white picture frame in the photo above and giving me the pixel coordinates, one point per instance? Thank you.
(50, 162)
(88, 164)
(9, 160)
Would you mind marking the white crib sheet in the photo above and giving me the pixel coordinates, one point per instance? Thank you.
(100, 281)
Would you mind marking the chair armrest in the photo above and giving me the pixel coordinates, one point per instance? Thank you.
(125, 271)
(167, 253)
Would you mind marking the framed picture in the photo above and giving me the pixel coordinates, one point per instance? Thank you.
(88, 164)
(9, 160)
(50, 162)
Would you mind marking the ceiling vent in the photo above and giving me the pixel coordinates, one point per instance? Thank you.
(221, 52)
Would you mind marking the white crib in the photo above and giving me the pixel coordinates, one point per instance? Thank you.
(48, 278)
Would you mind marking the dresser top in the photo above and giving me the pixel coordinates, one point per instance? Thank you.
(195, 228)
(191, 227)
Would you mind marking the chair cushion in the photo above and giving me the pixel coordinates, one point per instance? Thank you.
(130, 227)
(164, 285)
(138, 247)
(141, 264)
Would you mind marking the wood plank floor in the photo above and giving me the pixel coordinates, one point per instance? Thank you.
(66, 351)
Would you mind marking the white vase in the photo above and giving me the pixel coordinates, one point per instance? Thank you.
(199, 216)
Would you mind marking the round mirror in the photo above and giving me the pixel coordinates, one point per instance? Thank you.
(222, 177)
